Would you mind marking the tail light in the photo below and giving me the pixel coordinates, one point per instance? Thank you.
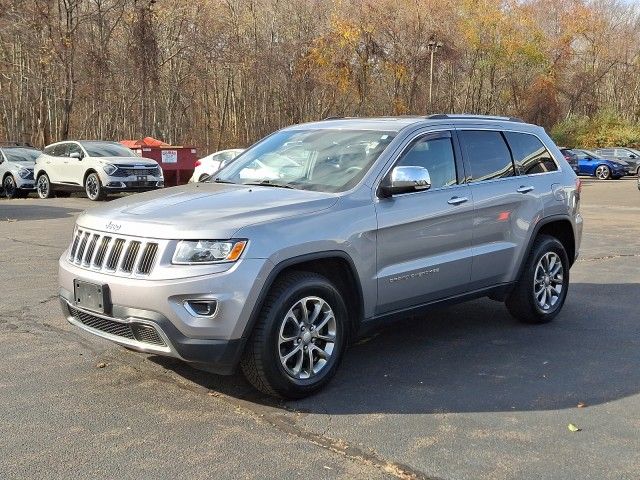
(198, 163)
(578, 185)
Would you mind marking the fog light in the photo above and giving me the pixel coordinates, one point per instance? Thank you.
(160, 183)
(201, 308)
(116, 185)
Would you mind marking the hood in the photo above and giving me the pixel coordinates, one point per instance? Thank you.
(202, 210)
(129, 161)
(28, 165)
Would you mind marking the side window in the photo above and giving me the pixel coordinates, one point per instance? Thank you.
(59, 150)
(48, 150)
(436, 155)
(487, 153)
(530, 154)
(74, 148)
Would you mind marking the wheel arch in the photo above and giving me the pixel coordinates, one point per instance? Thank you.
(557, 226)
(337, 266)
(88, 172)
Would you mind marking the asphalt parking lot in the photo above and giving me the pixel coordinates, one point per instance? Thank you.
(465, 393)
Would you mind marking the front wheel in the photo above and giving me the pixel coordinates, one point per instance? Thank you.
(603, 172)
(43, 186)
(299, 337)
(93, 188)
(542, 288)
(10, 188)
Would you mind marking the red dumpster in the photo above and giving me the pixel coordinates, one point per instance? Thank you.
(177, 162)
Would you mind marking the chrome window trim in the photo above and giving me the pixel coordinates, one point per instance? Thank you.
(494, 129)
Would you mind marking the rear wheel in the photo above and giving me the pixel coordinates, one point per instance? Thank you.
(10, 188)
(299, 337)
(93, 187)
(43, 186)
(603, 172)
(542, 288)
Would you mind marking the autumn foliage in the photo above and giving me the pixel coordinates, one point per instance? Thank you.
(221, 73)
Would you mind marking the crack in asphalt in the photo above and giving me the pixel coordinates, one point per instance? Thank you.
(609, 257)
(33, 244)
(262, 414)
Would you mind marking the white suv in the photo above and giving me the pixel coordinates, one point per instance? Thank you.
(96, 167)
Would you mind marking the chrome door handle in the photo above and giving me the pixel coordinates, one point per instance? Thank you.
(525, 189)
(457, 200)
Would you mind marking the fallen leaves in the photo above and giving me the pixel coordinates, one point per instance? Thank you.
(573, 428)
(101, 365)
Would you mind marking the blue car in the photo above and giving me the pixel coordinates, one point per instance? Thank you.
(590, 163)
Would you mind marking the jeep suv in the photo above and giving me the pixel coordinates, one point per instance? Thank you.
(16, 169)
(98, 168)
(320, 231)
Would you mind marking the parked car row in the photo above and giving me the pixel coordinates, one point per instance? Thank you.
(603, 163)
(95, 167)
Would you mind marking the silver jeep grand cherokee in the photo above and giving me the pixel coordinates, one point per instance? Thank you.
(320, 231)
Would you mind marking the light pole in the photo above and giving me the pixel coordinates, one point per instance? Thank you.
(432, 46)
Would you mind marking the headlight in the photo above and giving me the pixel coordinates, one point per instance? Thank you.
(24, 172)
(109, 169)
(208, 251)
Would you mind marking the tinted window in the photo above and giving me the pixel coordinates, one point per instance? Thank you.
(21, 154)
(436, 155)
(74, 148)
(60, 150)
(107, 149)
(488, 154)
(530, 154)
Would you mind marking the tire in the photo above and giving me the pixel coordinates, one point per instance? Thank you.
(93, 188)
(10, 188)
(264, 362)
(43, 186)
(524, 302)
(602, 172)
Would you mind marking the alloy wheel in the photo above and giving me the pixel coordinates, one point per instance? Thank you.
(43, 186)
(9, 186)
(307, 338)
(602, 172)
(548, 281)
(92, 187)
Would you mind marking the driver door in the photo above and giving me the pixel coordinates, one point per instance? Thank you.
(424, 241)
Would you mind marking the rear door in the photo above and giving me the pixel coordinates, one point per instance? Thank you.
(424, 238)
(54, 163)
(507, 205)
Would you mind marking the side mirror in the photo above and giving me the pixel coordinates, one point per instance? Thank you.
(76, 155)
(406, 180)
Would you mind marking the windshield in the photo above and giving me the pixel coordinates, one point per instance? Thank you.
(107, 149)
(324, 160)
(21, 154)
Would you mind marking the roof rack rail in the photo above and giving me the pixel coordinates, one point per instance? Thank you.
(465, 116)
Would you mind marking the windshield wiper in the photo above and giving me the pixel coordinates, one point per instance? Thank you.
(267, 183)
(219, 180)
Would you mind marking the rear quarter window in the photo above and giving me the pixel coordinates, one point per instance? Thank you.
(530, 154)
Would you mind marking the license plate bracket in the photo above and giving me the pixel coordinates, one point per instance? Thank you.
(91, 296)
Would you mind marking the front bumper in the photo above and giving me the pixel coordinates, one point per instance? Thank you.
(218, 356)
(215, 342)
(25, 184)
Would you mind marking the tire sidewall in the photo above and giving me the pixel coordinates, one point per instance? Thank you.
(99, 193)
(607, 169)
(544, 247)
(280, 380)
(44, 177)
(14, 193)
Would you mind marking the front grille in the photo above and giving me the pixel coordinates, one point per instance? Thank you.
(113, 254)
(131, 331)
(126, 172)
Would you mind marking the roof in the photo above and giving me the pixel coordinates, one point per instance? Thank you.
(395, 124)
